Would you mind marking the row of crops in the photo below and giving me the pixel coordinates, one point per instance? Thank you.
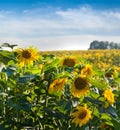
(100, 58)
(59, 90)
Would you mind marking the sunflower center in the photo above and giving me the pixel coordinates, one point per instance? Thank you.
(26, 54)
(58, 84)
(69, 62)
(80, 83)
(82, 114)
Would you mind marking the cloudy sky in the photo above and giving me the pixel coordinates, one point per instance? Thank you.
(59, 24)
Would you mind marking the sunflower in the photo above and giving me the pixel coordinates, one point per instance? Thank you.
(57, 85)
(27, 56)
(81, 116)
(69, 62)
(110, 73)
(87, 70)
(104, 126)
(80, 86)
(109, 96)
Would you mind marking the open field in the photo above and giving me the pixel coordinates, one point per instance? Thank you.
(99, 58)
(59, 90)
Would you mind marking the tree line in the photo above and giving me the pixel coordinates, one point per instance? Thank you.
(103, 45)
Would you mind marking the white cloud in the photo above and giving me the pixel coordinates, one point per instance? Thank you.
(54, 29)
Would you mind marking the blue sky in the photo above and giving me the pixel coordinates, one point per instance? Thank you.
(59, 24)
(23, 4)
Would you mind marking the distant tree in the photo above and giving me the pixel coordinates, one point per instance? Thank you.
(94, 44)
(103, 45)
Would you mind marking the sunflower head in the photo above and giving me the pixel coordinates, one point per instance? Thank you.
(109, 96)
(69, 62)
(110, 73)
(87, 70)
(104, 126)
(81, 116)
(27, 56)
(57, 85)
(80, 86)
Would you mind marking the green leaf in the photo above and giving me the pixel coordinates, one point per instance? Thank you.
(2, 85)
(94, 101)
(112, 112)
(3, 76)
(34, 70)
(96, 113)
(51, 65)
(69, 105)
(62, 75)
(64, 105)
(105, 116)
(116, 124)
(98, 72)
(94, 94)
(101, 109)
(109, 123)
(26, 78)
(55, 113)
(6, 56)
(10, 70)
(21, 103)
(97, 83)
(2, 127)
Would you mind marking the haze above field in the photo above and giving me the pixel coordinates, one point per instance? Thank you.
(59, 24)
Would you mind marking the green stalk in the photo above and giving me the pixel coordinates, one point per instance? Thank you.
(38, 120)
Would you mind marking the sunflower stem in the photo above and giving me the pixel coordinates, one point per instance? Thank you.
(24, 68)
(46, 97)
(40, 125)
(89, 127)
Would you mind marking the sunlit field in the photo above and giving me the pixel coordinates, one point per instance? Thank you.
(102, 59)
(59, 90)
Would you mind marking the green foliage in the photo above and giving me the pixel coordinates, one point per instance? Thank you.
(26, 103)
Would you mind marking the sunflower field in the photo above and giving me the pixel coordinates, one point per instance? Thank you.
(59, 90)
